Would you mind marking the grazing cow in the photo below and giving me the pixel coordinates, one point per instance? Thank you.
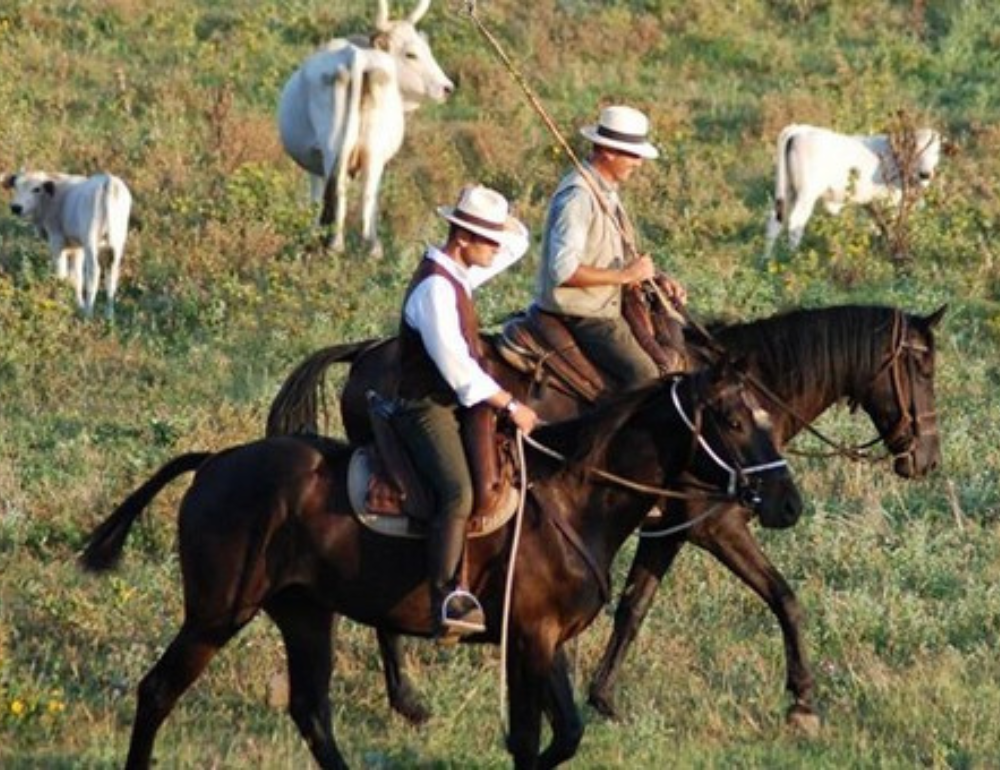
(78, 216)
(342, 113)
(818, 164)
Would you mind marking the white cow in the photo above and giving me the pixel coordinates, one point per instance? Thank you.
(78, 216)
(342, 113)
(816, 164)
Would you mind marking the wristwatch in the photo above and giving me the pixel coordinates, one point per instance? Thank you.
(512, 406)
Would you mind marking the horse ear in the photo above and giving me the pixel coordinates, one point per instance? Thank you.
(935, 318)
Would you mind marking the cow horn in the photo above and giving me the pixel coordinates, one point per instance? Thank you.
(419, 11)
(382, 17)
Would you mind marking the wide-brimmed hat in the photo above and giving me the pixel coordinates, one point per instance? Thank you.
(486, 213)
(622, 128)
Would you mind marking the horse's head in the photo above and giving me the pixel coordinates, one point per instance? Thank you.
(900, 400)
(734, 444)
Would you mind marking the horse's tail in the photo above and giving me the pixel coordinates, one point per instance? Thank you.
(297, 407)
(104, 546)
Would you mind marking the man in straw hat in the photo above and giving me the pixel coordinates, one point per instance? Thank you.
(585, 257)
(442, 374)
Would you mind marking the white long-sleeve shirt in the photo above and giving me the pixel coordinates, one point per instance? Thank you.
(432, 310)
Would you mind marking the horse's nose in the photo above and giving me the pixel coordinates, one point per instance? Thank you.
(15, 209)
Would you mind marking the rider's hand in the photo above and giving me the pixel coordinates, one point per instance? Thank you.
(672, 289)
(525, 418)
(640, 269)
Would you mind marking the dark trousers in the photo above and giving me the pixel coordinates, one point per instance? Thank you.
(433, 438)
(610, 344)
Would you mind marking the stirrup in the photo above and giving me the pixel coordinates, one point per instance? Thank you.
(470, 620)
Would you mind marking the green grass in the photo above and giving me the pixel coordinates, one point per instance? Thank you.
(221, 296)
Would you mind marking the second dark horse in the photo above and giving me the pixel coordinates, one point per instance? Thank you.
(878, 358)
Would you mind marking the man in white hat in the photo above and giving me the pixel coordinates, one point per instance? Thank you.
(585, 262)
(442, 374)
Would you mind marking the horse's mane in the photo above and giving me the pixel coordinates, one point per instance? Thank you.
(584, 440)
(812, 350)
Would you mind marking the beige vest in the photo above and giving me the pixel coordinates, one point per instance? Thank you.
(604, 249)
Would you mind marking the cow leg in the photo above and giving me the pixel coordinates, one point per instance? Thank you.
(111, 282)
(181, 664)
(76, 272)
(403, 696)
(731, 542)
(307, 629)
(771, 234)
(332, 217)
(560, 708)
(798, 216)
(91, 278)
(369, 209)
(651, 562)
(60, 262)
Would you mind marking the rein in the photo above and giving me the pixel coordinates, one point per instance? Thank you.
(735, 473)
(857, 452)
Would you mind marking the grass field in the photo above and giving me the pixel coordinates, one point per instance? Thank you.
(222, 294)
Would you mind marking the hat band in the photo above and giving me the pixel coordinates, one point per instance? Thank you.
(472, 219)
(618, 136)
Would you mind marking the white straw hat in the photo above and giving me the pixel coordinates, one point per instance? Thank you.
(622, 128)
(485, 212)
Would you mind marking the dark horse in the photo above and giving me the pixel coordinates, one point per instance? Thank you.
(878, 358)
(267, 526)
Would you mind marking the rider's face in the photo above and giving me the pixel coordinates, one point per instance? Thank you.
(622, 165)
(479, 251)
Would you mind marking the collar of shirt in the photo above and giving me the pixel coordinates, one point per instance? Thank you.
(457, 271)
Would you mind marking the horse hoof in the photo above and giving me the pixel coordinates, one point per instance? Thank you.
(803, 721)
(412, 710)
(603, 705)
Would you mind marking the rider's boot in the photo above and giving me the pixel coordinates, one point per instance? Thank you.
(455, 610)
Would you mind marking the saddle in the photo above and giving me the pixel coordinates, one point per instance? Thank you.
(538, 343)
(388, 494)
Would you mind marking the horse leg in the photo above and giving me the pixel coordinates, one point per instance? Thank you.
(732, 543)
(175, 671)
(560, 708)
(403, 696)
(526, 690)
(307, 629)
(652, 560)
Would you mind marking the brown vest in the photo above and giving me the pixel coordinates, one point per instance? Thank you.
(419, 375)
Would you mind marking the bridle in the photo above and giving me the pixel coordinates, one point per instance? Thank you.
(739, 487)
(904, 437)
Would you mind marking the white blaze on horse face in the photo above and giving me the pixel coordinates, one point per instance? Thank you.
(762, 418)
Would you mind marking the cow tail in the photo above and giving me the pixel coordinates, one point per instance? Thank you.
(781, 189)
(352, 121)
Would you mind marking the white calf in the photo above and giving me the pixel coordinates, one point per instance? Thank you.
(816, 164)
(78, 216)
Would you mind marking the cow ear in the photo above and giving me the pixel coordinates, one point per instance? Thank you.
(49, 187)
(380, 40)
(9, 180)
(949, 148)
